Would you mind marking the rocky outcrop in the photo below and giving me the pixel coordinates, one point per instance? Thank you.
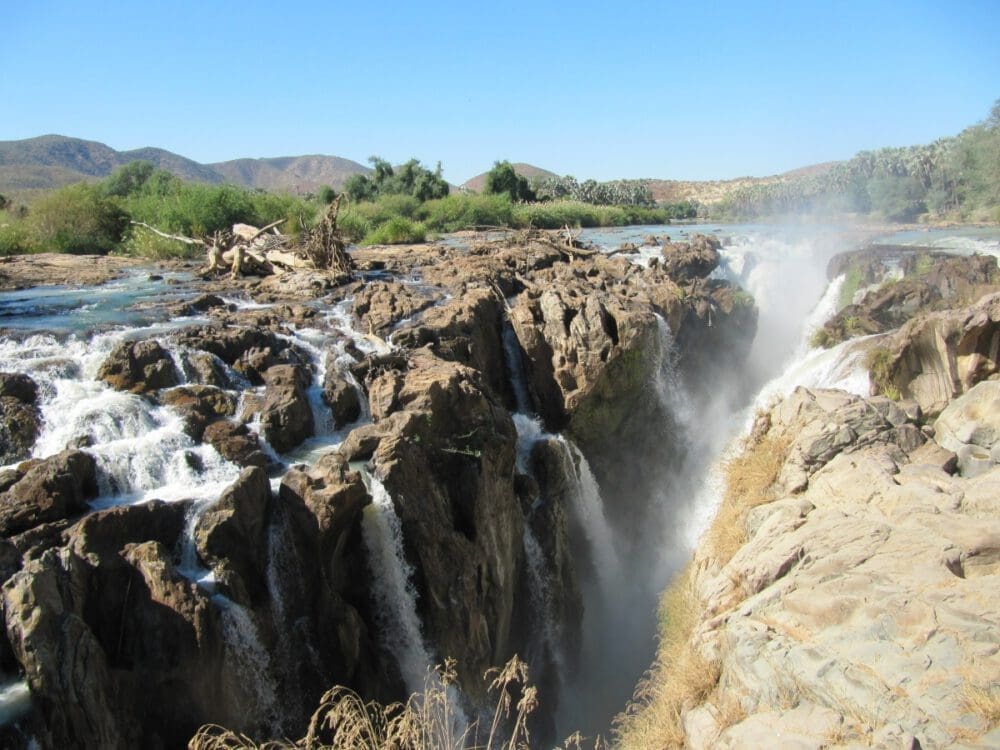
(696, 259)
(930, 282)
(139, 367)
(467, 330)
(938, 356)
(285, 415)
(380, 305)
(20, 419)
(857, 609)
(51, 490)
(235, 442)
(446, 456)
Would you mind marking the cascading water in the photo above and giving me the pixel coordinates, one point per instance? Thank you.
(396, 598)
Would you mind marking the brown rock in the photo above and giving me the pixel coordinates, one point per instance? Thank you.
(235, 442)
(199, 405)
(139, 367)
(55, 488)
(20, 418)
(696, 259)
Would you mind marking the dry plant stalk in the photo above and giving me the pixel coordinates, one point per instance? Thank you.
(427, 721)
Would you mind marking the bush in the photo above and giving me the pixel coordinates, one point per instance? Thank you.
(14, 238)
(77, 219)
(397, 231)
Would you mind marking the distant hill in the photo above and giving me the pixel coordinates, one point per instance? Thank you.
(295, 174)
(51, 161)
(713, 191)
(477, 183)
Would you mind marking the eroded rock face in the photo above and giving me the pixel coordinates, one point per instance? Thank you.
(970, 426)
(139, 367)
(938, 356)
(248, 350)
(200, 405)
(20, 419)
(866, 582)
(449, 469)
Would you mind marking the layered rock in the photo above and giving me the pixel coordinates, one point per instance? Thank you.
(937, 356)
(856, 610)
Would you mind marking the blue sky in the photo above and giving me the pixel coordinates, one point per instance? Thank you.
(693, 90)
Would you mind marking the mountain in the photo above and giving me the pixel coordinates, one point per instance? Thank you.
(477, 183)
(51, 161)
(296, 174)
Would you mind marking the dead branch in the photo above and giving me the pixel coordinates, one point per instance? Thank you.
(178, 237)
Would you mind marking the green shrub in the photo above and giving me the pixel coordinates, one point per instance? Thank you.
(14, 238)
(353, 225)
(77, 219)
(397, 231)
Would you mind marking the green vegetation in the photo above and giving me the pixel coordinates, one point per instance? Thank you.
(411, 179)
(503, 180)
(956, 178)
(878, 362)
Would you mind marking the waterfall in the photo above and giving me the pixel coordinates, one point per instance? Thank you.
(15, 701)
(515, 368)
(395, 596)
(253, 663)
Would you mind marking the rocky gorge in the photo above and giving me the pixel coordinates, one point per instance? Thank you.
(252, 490)
(214, 517)
(844, 594)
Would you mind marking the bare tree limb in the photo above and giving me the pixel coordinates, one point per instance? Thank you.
(178, 237)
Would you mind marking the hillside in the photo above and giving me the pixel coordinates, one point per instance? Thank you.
(296, 174)
(477, 183)
(51, 161)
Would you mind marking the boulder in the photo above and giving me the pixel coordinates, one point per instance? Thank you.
(20, 418)
(341, 395)
(139, 367)
(235, 442)
(230, 537)
(696, 259)
(55, 488)
(286, 417)
(200, 405)
(970, 427)
(249, 351)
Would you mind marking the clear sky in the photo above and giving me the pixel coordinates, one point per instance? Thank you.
(688, 90)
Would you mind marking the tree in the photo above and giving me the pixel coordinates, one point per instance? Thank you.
(129, 180)
(326, 194)
(504, 179)
(359, 188)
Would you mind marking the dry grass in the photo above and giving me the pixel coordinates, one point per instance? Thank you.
(984, 702)
(427, 721)
(749, 481)
(680, 678)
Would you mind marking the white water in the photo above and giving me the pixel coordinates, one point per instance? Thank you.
(395, 595)
(15, 701)
(253, 662)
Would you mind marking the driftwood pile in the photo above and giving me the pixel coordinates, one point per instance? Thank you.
(245, 249)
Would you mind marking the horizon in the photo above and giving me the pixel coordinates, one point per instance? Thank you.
(760, 91)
